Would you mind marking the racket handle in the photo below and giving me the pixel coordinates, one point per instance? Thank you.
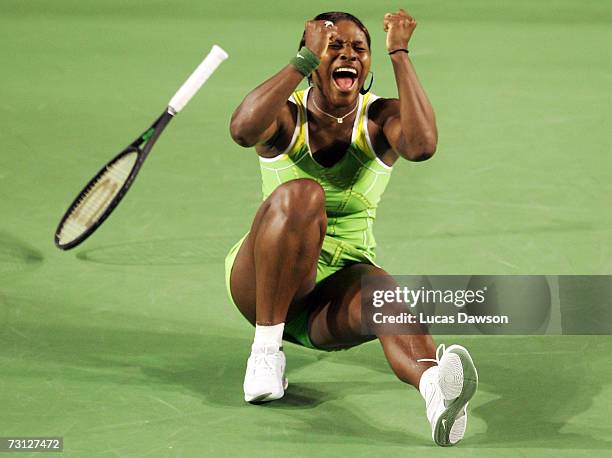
(197, 79)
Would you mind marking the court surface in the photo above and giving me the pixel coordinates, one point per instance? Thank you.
(128, 346)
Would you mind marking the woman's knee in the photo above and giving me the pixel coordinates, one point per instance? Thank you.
(299, 200)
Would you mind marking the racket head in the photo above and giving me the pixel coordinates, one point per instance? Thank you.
(97, 199)
(104, 191)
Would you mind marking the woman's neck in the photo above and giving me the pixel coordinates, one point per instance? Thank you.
(335, 108)
(329, 111)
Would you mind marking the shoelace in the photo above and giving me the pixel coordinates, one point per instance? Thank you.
(439, 353)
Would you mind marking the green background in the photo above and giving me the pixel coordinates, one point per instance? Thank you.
(128, 346)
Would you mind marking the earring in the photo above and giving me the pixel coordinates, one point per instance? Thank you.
(363, 90)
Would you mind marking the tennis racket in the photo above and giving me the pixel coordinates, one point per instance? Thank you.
(105, 190)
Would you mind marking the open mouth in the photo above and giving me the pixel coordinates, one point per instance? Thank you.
(344, 78)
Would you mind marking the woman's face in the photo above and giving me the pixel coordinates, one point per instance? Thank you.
(344, 65)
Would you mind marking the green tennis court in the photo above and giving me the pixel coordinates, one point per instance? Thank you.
(128, 345)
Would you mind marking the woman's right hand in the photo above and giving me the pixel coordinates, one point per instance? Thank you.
(318, 35)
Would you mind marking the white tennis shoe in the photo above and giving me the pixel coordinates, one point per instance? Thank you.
(265, 374)
(447, 393)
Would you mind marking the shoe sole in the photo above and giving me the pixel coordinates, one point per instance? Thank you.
(470, 384)
(262, 398)
(265, 397)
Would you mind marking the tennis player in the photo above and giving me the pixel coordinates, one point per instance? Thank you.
(326, 155)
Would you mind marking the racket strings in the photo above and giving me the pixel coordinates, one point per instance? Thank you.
(97, 198)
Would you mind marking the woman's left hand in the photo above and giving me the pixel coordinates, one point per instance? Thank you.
(399, 27)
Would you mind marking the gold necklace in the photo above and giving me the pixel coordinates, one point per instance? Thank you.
(338, 120)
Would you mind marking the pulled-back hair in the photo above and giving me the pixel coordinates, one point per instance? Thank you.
(336, 16)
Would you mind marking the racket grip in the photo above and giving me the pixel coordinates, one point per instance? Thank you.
(197, 79)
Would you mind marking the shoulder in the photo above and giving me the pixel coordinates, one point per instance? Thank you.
(286, 126)
(381, 109)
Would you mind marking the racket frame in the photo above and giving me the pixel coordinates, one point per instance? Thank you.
(148, 138)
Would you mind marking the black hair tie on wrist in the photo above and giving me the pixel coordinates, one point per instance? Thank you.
(399, 50)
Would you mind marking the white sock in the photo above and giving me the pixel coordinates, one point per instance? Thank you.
(269, 335)
(429, 376)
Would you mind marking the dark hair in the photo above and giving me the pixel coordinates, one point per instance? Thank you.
(336, 16)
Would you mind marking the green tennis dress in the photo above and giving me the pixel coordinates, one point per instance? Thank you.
(353, 188)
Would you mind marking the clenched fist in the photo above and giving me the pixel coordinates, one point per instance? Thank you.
(318, 34)
(399, 27)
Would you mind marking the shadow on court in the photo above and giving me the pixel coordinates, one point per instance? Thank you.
(16, 255)
(345, 420)
(103, 350)
(540, 384)
(172, 357)
(163, 252)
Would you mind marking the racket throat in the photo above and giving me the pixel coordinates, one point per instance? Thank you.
(148, 134)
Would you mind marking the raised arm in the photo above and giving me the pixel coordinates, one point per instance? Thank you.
(265, 116)
(409, 124)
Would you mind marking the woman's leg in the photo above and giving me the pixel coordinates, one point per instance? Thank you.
(336, 323)
(274, 268)
(277, 263)
(447, 383)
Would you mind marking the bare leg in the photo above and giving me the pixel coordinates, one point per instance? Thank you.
(336, 324)
(277, 262)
